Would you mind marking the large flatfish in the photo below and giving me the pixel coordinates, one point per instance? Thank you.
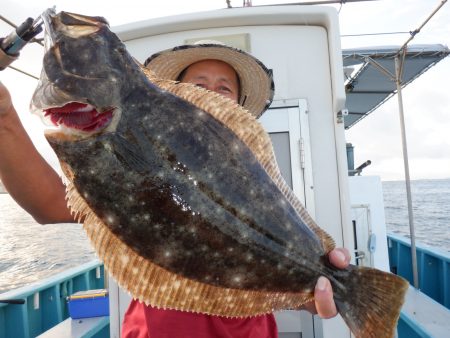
(179, 190)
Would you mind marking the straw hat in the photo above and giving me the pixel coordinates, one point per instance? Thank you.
(257, 87)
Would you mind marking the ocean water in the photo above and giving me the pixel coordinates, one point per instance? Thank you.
(30, 252)
(431, 211)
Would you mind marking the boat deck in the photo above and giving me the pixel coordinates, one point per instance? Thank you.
(421, 316)
(74, 328)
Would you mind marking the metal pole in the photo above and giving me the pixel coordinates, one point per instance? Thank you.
(398, 72)
(23, 72)
(413, 33)
(323, 2)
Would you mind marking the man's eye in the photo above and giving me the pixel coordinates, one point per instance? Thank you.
(225, 89)
(201, 85)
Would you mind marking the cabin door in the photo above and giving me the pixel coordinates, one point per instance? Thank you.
(286, 121)
(287, 124)
(363, 237)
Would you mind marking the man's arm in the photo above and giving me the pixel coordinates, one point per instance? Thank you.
(29, 179)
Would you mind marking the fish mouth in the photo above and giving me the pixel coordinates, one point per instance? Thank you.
(81, 117)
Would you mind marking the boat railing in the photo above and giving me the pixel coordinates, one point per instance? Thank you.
(44, 304)
(433, 267)
(33, 309)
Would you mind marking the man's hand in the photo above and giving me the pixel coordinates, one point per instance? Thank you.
(323, 304)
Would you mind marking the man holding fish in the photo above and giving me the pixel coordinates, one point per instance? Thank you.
(39, 190)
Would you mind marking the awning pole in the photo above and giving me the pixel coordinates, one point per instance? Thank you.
(323, 2)
(414, 32)
(398, 72)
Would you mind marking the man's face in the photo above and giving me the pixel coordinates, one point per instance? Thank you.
(214, 75)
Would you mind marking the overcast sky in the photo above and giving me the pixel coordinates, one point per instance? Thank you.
(377, 137)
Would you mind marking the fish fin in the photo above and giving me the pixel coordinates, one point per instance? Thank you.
(249, 130)
(130, 154)
(371, 311)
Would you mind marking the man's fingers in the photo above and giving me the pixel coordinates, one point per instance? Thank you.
(339, 257)
(310, 307)
(323, 295)
(323, 303)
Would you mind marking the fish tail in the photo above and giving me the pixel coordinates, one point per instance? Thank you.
(372, 302)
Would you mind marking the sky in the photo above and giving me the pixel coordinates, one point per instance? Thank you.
(376, 138)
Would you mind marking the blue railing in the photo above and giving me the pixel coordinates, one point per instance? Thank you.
(45, 303)
(408, 328)
(433, 268)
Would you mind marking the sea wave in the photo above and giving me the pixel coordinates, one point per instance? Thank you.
(431, 210)
(30, 251)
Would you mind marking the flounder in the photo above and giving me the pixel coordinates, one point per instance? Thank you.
(180, 193)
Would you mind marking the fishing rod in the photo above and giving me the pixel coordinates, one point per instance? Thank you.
(12, 44)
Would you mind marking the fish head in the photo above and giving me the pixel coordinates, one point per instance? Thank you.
(83, 75)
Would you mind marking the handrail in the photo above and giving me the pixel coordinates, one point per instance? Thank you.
(433, 266)
(33, 309)
(46, 283)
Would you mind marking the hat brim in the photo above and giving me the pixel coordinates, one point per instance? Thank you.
(256, 82)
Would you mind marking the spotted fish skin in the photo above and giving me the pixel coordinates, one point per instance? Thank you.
(176, 206)
(208, 219)
(181, 189)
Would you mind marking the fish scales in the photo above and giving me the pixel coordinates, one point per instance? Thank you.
(180, 194)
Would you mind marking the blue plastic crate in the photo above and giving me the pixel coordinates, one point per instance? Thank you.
(91, 303)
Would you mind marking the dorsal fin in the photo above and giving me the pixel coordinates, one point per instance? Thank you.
(249, 130)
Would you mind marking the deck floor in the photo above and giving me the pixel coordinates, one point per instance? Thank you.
(428, 314)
